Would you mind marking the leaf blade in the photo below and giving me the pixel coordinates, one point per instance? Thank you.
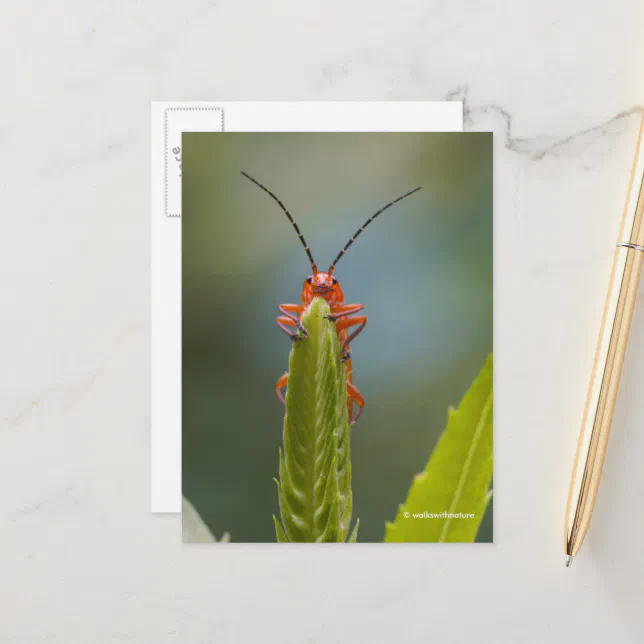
(279, 532)
(193, 527)
(457, 477)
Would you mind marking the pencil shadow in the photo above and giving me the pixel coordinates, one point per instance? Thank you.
(615, 536)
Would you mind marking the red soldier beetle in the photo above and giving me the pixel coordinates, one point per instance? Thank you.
(325, 285)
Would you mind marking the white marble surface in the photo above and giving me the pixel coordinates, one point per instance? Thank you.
(82, 559)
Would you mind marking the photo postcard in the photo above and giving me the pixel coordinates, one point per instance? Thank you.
(337, 337)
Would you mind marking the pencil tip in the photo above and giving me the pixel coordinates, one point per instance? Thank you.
(569, 559)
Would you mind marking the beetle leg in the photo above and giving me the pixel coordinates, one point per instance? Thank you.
(345, 324)
(352, 321)
(343, 310)
(285, 310)
(344, 313)
(284, 322)
(279, 385)
(353, 395)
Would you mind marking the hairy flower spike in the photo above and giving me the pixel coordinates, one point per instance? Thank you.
(314, 465)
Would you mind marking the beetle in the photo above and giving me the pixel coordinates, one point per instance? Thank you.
(325, 285)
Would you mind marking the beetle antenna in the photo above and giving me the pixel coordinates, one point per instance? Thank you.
(286, 212)
(366, 223)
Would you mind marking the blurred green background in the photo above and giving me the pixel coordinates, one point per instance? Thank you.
(423, 270)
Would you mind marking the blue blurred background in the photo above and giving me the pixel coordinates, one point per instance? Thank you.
(423, 270)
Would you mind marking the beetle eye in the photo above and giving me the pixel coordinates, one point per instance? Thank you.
(309, 280)
(335, 281)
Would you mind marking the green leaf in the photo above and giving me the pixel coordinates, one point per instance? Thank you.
(456, 480)
(281, 537)
(353, 537)
(314, 486)
(193, 527)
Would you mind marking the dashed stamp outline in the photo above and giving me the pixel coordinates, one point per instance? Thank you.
(165, 145)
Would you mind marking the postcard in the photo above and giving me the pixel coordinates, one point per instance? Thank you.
(337, 328)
